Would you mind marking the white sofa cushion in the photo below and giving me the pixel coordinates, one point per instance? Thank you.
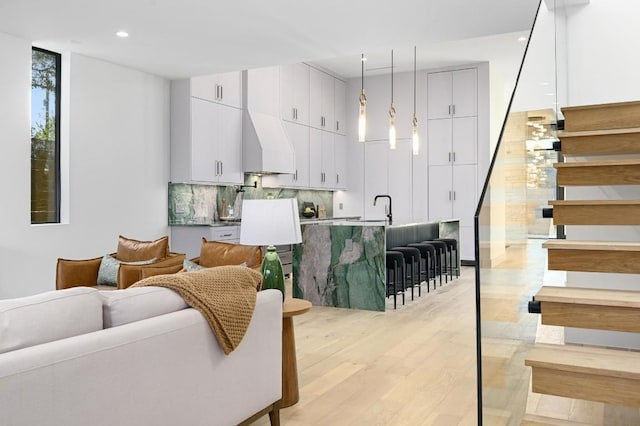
(138, 303)
(45, 317)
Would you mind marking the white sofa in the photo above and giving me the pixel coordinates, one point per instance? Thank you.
(133, 357)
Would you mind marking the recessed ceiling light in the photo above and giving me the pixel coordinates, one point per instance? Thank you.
(122, 34)
(522, 38)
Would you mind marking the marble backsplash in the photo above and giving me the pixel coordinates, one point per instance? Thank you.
(202, 204)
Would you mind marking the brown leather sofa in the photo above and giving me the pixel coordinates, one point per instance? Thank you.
(74, 273)
(218, 253)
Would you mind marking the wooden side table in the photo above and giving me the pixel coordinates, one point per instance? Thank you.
(290, 308)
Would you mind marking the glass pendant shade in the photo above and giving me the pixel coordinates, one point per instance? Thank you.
(392, 127)
(362, 111)
(362, 117)
(392, 113)
(415, 138)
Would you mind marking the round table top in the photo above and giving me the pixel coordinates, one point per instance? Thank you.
(292, 307)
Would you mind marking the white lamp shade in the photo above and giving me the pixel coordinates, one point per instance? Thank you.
(270, 222)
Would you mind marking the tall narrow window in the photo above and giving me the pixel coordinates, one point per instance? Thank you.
(45, 136)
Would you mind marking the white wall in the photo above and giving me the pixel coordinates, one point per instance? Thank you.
(118, 127)
(603, 58)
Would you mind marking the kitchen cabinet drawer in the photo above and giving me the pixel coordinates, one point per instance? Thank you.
(225, 233)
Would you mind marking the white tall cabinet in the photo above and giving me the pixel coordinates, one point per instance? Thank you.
(206, 130)
(452, 126)
(312, 106)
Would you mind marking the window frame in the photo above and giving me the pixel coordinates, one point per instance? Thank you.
(57, 145)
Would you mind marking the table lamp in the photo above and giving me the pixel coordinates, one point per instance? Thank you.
(269, 223)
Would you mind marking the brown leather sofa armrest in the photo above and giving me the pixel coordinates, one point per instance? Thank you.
(129, 274)
(75, 273)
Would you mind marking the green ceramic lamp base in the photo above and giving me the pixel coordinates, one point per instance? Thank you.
(272, 271)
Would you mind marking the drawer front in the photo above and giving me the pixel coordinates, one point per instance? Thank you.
(225, 233)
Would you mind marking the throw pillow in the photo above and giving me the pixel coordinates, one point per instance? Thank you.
(217, 253)
(130, 250)
(108, 271)
(190, 266)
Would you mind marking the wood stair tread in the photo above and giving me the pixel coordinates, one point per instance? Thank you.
(593, 202)
(605, 132)
(582, 359)
(589, 296)
(591, 245)
(599, 106)
(597, 163)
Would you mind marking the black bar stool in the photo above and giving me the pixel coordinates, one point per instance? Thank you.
(428, 254)
(452, 245)
(411, 261)
(395, 268)
(441, 254)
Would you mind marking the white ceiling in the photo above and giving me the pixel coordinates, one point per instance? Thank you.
(183, 38)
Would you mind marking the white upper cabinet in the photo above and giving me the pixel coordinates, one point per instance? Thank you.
(262, 87)
(321, 160)
(321, 100)
(216, 143)
(452, 93)
(224, 88)
(339, 103)
(206, 138)
(294, 93)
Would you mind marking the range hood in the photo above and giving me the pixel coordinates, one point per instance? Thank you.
(266, 147)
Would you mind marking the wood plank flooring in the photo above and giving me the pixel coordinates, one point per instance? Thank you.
(412, 366)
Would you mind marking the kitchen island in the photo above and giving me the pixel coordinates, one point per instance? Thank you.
(342, 263)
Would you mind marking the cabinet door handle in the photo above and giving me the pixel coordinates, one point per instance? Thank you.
(217, 92)
(295, 175)
(293, 113)
(226, 235)
(338, 178)
(221, 92)
(454, 157)
(217, 168)
(221, 168)
(449, 109)
(449, 195)
(449, 157)
(337, 126)
(454, 109)
(454, 195)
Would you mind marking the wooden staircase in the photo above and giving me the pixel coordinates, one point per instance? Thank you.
(593, 373)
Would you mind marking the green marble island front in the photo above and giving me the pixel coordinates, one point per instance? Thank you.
(341, 264)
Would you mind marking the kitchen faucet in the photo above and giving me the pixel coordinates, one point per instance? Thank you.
(390, 214)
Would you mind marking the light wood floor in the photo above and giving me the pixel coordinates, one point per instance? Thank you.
(417, 365)
(412, 366)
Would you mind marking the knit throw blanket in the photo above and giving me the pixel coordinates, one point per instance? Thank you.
(224, 295)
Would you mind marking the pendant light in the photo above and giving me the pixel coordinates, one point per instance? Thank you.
(415, 138)
(362, 115)
(392, 113)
